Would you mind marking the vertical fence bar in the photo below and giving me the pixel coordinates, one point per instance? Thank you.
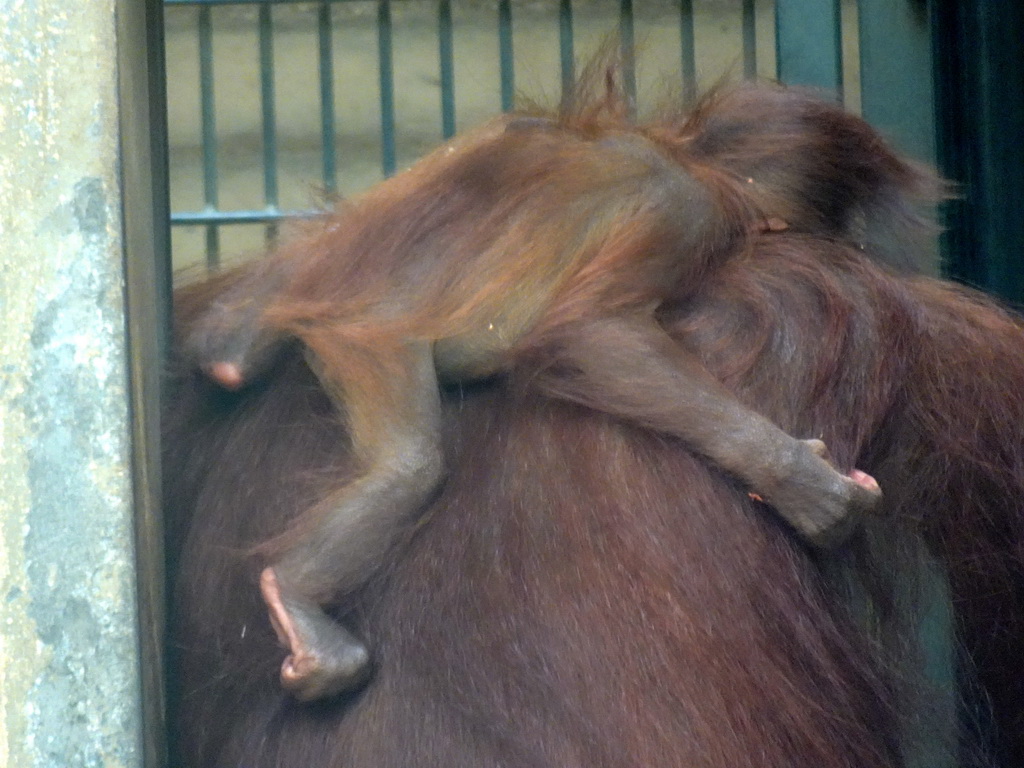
(687, 50)
(809, 44)
(566, 45)
(628, 47)
(446, 57)
(977, 47)
(938, 643)
(267, 108)
(749, 41)
(506, 61)
(325, 50)
(142, 96)
(897, 92)
(387, 87)
(209, 133)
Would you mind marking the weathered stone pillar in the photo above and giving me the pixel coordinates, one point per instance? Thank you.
(80, 232)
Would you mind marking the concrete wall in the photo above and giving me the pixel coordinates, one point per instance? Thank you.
(70, 692)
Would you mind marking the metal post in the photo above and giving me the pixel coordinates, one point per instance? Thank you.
(627, 43)
(328, 132)
(808, 44)
(897, 89)
(980, 63)
(209, 125)
(566, 46)
(385, 56)
(896, 79)
(446, 56)
(749, 24)
(505, 57)
(687, 51)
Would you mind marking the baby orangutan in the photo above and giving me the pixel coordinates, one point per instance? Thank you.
(552, 240)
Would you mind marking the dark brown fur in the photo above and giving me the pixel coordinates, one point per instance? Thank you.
(576, 229)
(924, 383)
(587, 594)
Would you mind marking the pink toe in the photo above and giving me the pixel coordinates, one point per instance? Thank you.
(864, 480)
(228, 375)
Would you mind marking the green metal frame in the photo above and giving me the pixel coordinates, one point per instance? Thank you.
(147, 294)
(899, 40)
(979, 53)
(896, 74)
(808, 44)
(212, 217)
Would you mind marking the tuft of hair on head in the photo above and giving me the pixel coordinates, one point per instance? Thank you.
(596, 102)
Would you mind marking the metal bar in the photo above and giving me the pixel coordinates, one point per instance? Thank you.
(566, 45)
(250, 2)
(267, 104)
(628, 47)
(977, 47)
(749, 41)
(939, 647)
(387, 87)
(447, 65)
(142, 84)
(687, 50)
(255, 216)
(808, 44)
(508, 75)
(325, 50)
(897, 92)
(209, 132)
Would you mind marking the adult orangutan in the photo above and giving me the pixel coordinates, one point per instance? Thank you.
(584, 589)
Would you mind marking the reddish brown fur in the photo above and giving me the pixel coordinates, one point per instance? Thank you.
(923, 383)
(506, 228)
(569, 231)
(508, 631)
(587, 595)
(584, 593)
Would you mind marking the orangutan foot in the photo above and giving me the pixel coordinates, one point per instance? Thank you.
(824, 505)
(324, 659)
